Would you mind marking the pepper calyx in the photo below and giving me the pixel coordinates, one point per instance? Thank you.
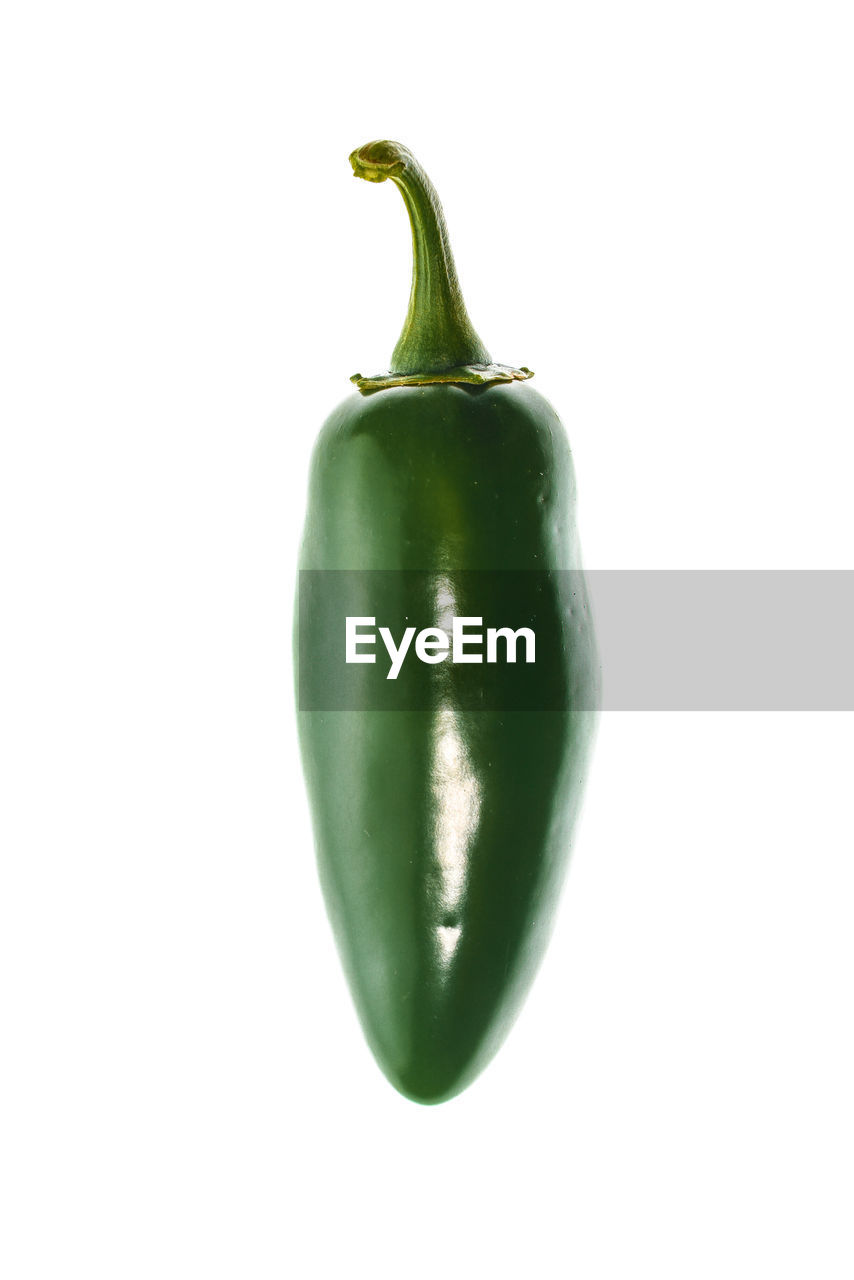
(470, 374)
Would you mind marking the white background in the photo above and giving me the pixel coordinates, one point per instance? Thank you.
(652, 205)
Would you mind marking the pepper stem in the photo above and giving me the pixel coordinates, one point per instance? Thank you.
(437, 333)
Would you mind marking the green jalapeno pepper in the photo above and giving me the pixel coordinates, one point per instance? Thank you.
(441, 508)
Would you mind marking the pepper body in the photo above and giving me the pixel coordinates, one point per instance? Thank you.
(443, 832)
(443, 806)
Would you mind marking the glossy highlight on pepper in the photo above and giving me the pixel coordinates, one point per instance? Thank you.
(443, 488)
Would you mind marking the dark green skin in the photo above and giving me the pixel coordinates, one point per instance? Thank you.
(443, 835)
